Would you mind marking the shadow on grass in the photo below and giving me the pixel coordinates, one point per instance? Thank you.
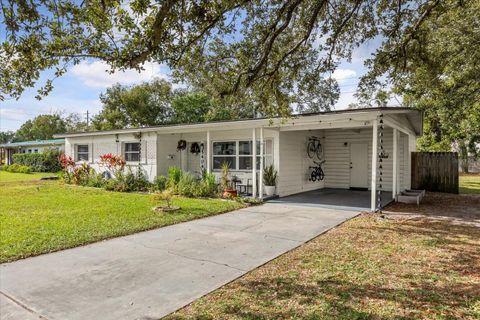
(440, 288)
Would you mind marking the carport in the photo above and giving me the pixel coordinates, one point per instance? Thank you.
(342, 199)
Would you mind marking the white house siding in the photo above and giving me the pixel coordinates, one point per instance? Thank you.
(100, 145)
(167, 155)
(337, 155)
(42, 148)
(293, 173)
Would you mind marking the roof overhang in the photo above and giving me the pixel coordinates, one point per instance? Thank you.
(409, 120)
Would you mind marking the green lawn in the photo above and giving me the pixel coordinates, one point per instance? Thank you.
(13, 176)
(40, 217)
(470, 184)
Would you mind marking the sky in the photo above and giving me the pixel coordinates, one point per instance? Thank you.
(79, 89)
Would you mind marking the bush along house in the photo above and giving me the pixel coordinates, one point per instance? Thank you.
(7, 150)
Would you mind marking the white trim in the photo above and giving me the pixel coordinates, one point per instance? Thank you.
(254, 165)
(403, 127)
(124, 152)
(296, 122)
(262, 142)
(209, 153)
(88, 153)
(373, 187)
(395, 164)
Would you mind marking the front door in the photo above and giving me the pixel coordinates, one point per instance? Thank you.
(359, 165)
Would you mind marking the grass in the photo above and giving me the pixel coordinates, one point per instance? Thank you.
(41, 217)
(13, 176)
(470, 184)
(368, 268)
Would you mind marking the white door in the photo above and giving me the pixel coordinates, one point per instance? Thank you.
(358, 165)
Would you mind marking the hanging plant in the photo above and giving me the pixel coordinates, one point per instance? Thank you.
(182, 145)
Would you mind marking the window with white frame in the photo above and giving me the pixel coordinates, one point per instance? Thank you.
(239, 154)
(81, 152)
(132, 151)
(225, 152)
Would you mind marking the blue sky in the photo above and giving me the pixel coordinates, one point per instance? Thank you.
(79, 89)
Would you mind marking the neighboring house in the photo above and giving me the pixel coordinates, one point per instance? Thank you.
(346, 137)
(7, 150)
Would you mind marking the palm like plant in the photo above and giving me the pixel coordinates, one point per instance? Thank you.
(270, 176)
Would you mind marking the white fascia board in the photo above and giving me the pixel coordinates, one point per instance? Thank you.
(400, 125)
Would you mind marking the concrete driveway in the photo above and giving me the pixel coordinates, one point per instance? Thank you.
(151, 274)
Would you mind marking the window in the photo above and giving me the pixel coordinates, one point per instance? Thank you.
(82, 152)
(35, 151)
(224, 152)
(245, 155)
(132, 151)
(238, 154)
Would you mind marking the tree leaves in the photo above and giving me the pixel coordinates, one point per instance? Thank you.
(274, 54)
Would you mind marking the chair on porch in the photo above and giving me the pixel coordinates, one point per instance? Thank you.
(246, 189)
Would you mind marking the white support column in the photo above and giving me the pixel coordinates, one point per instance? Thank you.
(373, 186)
(209, 153)
(254, 165)
(260, 191)
(412, 147)
(395, 164)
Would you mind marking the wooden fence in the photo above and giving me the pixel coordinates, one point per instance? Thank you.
(435, 171)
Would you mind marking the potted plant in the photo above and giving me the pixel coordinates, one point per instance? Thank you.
(270, 180)
(228, 190)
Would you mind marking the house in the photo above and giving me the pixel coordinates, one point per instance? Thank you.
(7, 150)
(363, 149)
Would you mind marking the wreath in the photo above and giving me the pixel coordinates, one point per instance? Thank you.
(195, 148)
(182, 145)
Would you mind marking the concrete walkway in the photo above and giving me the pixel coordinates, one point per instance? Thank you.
(151, 274)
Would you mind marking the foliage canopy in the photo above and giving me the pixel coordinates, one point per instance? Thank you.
(273, 54)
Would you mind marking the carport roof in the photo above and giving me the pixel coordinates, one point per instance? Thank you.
(412, 116)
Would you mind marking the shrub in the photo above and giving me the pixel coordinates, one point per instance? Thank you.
(174, 175)
(207, 186)
(47, 161)
(114, 163)
(96, 180)
(17, 168)
(160, 183)
(136, 181)
(82, 174)
(187, 185)
(68, 166)
(165, 195)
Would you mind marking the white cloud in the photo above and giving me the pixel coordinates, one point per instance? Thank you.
(13, 114)
(344, 100)
(96, 74)
(344, 74)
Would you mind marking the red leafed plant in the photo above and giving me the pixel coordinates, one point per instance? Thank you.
(113, 162)
(68, 165)
(66, 162)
